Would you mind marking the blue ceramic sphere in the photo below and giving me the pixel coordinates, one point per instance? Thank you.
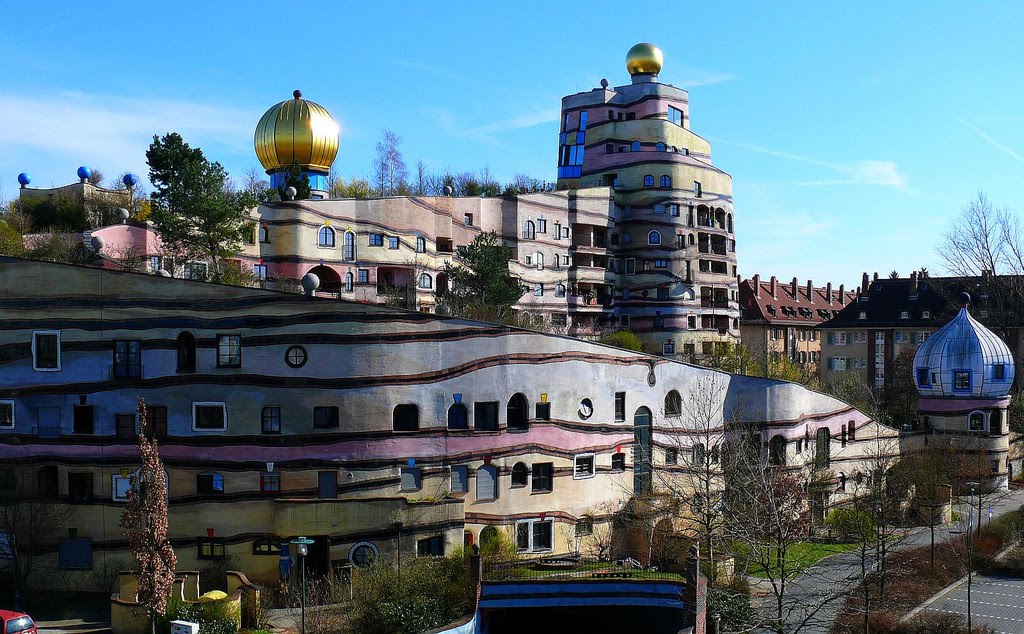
(130, 180)
(84, 173)
(24, 179)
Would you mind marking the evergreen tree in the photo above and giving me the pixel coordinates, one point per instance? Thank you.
(482, 287)
(295, 178)
(194, 211)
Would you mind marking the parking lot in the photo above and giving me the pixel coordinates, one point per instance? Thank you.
(996, 601)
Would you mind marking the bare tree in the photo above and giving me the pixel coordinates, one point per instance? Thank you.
(422, 178)
(28, 523)
(389, 167)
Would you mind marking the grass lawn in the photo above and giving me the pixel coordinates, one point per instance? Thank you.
(802, 555)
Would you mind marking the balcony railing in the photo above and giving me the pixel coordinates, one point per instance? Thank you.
(571, 566)
(48, 431)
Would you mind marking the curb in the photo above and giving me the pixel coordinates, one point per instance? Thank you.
(956, 584)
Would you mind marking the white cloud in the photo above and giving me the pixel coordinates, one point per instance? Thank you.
(486, 133)
(112, 132)
(864, 172)
(996, 144)
(694, 77)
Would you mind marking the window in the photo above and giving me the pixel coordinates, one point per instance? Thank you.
(325, 237)
(186, 352)
(127, 360)
(325, 417)
(412, 479)
(467, 219)
(406, 417)
(584, 466)
(517, 413)
(229, 351)
(209, 483)
(534, 535)
(270, 482)
(271, 420)
(430, 547)
(485, 416)
(119, 486)
(671, 456)
(698, 454)
(73, 553)
(543, 477)
(259, 271)
(659, 147)
(363, 554)
(923, 379)
(560, 290)
(654, 237)
(620, 406)
(542, 225)
(520, 475)
(211, 548)
(697, 191)
(543, 411)
(364, 276)
(659, 319)
(80, 487)
(376, 239)
(961, 380)
(156, 421)
(648, 181)
(349, 282)
(208, 416)
(266, 547)
(976, 421)
(83, 420)
(999, 372)
(264, 234)
(629, 266)
(666, 182)
(618, 461)
(675, 115)
(662, 291)
(460, 479)
(673, 403)
(584, 526)
(823, 449)
(6, 414)
(635, 147)
(487, 483)
(295, 356)
(46, 350)
(538, 260)
(458, 417)
(393, 242)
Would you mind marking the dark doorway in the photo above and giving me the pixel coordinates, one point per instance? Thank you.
(328, 484)
(318, 561)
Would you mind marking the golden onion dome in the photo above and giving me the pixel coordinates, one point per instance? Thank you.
(644, 58)
(296, 130)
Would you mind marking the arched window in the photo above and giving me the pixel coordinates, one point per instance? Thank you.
(777, 450)
(487, 483)
(728, 222)
(529, 230)
(697, 454)
(406, 417)
(654, 237)
(516, 416)
(976, 421)
(425, 281)
(690, 239)
(349, 282)
(666, 182)
(643, 450)
(421, 245)
(520, 475)
(823, 448)
(648, 181)
(350, 247)
(842, 481)
(488, 537)
(560, 290)
(680, 241)
(264, 234)
(458, 417)
(659, 146)
(634, 146)
(325, 237)
(615, 238)
(538, 259)
(186, 352)
(208, 482)
(995, 423)
(673, 404)
(538, 289)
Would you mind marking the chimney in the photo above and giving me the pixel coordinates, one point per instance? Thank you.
(876, 276)
(773, 284)
(795, 285)
(842, 294)
(913, 284)
(810, 291)
(828, 294)
(757, 285)
(864, 284)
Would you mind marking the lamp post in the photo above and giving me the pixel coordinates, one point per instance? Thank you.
(971, 487)
(302, 549)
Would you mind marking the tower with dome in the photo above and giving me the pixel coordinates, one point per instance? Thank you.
(964, 373)
(297, 130)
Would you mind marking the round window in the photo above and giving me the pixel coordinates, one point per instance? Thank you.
(295, 356)
(363, 554)
(586, 409)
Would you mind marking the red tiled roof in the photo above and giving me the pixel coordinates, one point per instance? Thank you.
(787, 307)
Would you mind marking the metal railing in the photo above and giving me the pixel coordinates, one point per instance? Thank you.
(571, 566)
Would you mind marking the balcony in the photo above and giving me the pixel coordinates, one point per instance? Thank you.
(707, 302)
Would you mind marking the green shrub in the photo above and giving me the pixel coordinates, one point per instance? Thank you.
(624, 339)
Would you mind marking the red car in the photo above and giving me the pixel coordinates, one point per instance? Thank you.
(16, 623)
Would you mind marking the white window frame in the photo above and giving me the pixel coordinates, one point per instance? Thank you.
(10, 403)
(984, 422)
(334, 237)
(575, 466)
(59, 355)
(260, 271)
(119, 486)
(188, 270)
(197, 404)
(532, 548)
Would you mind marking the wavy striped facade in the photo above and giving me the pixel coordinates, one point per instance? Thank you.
(364, 427)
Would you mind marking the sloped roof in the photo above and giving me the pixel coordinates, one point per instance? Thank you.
(787, 307)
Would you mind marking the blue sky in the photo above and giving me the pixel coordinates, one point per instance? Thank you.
(854, 132)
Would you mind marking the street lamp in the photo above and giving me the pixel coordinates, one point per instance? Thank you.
(971, 487)
(302, 549)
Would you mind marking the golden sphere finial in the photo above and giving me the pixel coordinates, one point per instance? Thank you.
(296, 130)
(644, 58)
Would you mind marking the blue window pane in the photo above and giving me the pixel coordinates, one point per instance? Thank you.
(580, 137)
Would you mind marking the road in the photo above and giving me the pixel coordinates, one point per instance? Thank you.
(996, 601)
(819, 591)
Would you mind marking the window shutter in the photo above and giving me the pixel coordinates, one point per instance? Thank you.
(459, 479)
(485, 484)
